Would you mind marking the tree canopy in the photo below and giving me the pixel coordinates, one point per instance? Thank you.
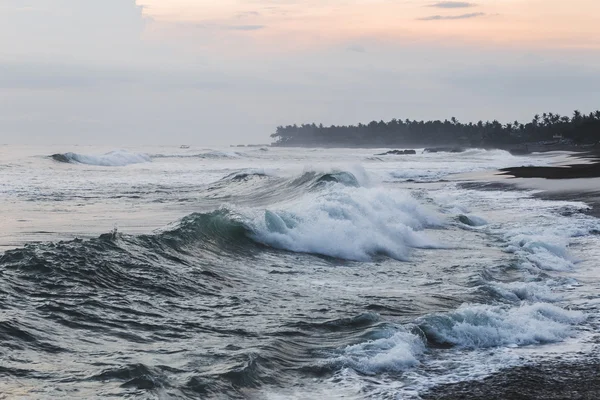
(579, 129)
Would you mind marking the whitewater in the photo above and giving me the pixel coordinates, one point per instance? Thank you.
(273, 273)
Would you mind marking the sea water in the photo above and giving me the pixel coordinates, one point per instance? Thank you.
(158, 272)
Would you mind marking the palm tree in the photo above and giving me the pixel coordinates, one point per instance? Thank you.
(546, 119)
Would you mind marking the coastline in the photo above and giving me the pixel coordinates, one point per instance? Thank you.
(579, 181)
(588, 169)
(515, 149)
(562, 380)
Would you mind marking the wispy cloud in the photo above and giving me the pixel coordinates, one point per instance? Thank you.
(357, 48)
(247, 14)
(452, 4)
(244, 27)
(451, 17)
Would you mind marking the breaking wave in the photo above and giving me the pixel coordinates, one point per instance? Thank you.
(480, 326)
(116, 158)
(324, 214)
(349, 223)
(210, 155)
(393, 351)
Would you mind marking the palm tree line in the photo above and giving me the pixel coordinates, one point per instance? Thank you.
(578, 129)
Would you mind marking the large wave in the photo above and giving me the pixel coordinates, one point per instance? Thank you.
(326, 215)
(394, 349)
(263, 187)
(117, 158)
(349, 223)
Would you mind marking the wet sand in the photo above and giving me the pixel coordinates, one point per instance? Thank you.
(549, 382)
(591, 198)
(587, 167)
(578, 181)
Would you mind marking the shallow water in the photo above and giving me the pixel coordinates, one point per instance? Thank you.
(281, 273)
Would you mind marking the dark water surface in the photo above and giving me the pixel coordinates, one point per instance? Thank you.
(304, 274)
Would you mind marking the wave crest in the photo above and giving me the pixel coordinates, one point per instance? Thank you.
(348, 223)
(481, 326)
(117, 158)
(395, 351)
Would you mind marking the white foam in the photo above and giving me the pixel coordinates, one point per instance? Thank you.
(208, 154)
(219, 154)
(502, 154)
(547, 252)
(480, 326)
(394, 353)
(362, 177)
(420, 174)
(526, 291)
(117, 158)
(349, 223)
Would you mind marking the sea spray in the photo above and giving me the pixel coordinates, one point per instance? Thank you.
(349, 223)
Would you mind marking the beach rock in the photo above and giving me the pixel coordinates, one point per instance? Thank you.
(397, 152)
(443, 150)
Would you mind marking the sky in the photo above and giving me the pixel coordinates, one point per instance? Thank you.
(207, 72)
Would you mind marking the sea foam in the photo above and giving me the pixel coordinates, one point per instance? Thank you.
(116, 158)
(525, 291)
(349, 223)
(480, 326)
(395, 352)
(546, 252)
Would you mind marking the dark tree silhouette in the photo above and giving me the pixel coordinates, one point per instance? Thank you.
(580, 129)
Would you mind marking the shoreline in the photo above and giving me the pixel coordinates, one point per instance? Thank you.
(570, 182)
(553, 380)
(516, 149)
(590, 169)
(561, 380)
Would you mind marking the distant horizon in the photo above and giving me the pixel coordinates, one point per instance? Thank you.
(269, 141)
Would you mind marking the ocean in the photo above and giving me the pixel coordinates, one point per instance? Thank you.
(283, 273)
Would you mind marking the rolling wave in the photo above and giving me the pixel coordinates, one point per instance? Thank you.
(338, 221)
(265, 188)
(116, 158)
(481, 326)
(348, 223)
(210, 155)
(205, 255)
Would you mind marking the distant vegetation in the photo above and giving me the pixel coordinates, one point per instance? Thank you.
(577, 129)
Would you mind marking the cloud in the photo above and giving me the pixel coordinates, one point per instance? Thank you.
(451, 17)
(452, 4)
(64, 77)
(248, 14)
(244, 27)
(357, 48)
(543, 80)
(109, 31)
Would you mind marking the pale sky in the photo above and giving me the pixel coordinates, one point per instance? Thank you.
(222, 72)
